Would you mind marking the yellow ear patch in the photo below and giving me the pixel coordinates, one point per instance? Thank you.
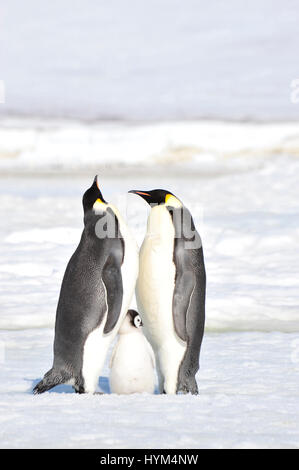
(99, 204)
(171, 200)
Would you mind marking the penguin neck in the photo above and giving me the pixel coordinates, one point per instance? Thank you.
(173, 201)
(123, 227)
(129, 331)
(101, 222)
(159, 223)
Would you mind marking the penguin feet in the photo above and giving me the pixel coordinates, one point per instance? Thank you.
(182, 390)
(41, 387)
(189, 386)
(81, 391)
(79, 388)
(50, 380)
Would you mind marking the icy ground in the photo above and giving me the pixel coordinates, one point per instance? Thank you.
(249, 373)
(248, 398)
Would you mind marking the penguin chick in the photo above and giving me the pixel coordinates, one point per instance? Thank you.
(132, 362)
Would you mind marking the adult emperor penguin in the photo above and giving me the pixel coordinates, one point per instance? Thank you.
(132, 364)
(170, 290)
(95, 294)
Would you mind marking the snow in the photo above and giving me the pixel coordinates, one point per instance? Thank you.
(248, 399)
(207, 147)
(245, 206)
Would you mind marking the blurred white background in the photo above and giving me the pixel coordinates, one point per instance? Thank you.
(145, 60)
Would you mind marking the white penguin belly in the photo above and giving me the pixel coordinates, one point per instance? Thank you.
(97, 343)
(132, 369)
(129, 269)
(94, 354)
(154, 294)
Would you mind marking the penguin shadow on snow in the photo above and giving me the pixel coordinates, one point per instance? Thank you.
(103, 383)
(58, 389)
(104, 387)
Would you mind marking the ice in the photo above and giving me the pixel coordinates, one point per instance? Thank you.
(60, 235)
(240, 182)
(249, 375)
(248, 399)
(201, 147)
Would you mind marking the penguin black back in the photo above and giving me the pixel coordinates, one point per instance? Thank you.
(189, 294)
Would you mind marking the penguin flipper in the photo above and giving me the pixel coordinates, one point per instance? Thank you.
(184, 286)
(112, 280)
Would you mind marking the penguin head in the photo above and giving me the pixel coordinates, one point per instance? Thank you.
(158, 196)
(93, 197)
(135, 318)
(131, 323)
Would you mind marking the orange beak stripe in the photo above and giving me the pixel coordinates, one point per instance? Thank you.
(144, 194)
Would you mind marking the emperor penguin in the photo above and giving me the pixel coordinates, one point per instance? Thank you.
(171, 289)
(95, 294)
(132, 364)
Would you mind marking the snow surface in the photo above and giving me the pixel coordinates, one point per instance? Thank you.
(246, 208)
(189, 147)
(248, 399)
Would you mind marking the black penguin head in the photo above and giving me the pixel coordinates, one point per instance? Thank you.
(157, 196)
(92, 195)
(135, 318)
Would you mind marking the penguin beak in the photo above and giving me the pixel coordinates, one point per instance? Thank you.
(140, 193)
(146, 196)
(100, 198)
(96, 182)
